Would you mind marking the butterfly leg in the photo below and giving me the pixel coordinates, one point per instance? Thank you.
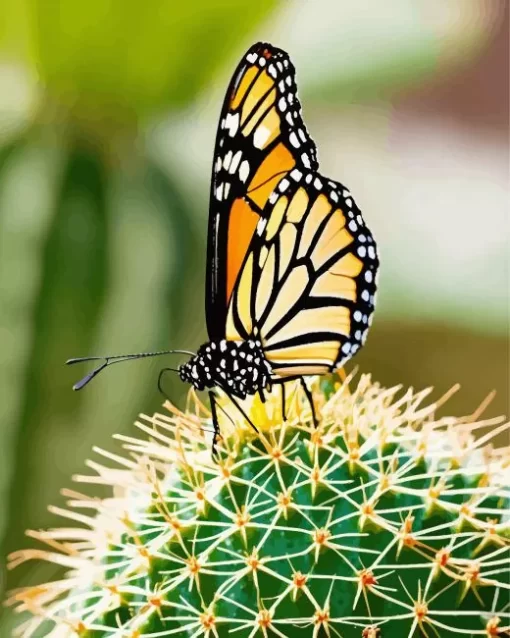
(308, 395)
(284, 412)
(243, 412)
(216, 425)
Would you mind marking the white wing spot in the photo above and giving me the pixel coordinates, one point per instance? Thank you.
(317, 183)
(294, 140)
(261, 136)
(282, 104)
(244, 171)
(227, 159)
(296, 175)
(251, 57)
(283, 185)
(232, 123)
(235, 162)
(306, 160)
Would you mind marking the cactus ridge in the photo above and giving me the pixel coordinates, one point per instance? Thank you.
(383, 521)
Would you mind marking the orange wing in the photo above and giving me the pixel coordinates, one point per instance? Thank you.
(261, 138)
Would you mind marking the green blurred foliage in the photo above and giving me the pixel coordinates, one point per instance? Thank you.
(124, 58)
(15, 36)
(93, 253)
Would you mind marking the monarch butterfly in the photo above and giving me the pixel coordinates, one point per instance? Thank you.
(291, 265)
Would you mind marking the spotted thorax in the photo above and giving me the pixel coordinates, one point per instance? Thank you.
(238, 367)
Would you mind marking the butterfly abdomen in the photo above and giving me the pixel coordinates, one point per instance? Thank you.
(238, 367)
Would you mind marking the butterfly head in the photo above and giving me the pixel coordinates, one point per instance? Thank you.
(238, 367)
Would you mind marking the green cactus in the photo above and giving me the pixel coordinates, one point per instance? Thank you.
(384, 521)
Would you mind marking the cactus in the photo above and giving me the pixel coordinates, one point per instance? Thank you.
(383, 521)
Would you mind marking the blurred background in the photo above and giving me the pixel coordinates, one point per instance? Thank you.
(108, 113)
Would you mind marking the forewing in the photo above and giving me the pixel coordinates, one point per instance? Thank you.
(261, 138)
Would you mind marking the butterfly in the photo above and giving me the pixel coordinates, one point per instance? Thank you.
(291, 264)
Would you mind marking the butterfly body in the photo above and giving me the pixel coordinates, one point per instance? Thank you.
(237, 367)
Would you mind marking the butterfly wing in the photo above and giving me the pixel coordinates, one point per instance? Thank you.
(261, 138)
(307, 289)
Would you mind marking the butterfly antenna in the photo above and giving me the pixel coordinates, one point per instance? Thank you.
(116, 359)
(160, 381)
